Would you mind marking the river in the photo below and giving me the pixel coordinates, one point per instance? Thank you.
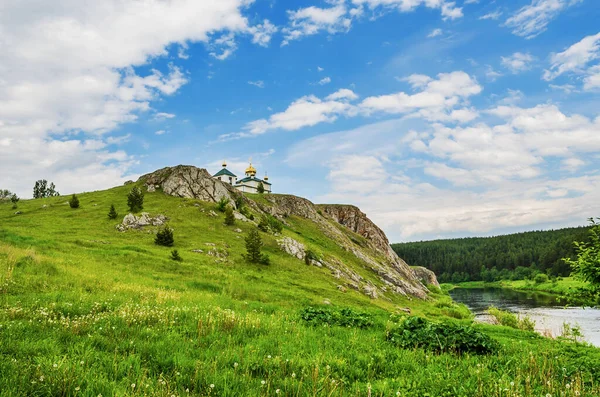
(548, 313)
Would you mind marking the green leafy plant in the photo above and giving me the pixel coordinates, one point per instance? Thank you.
(222, 204)
(112, 213)
(310, 256)
(165, 237)
(74, 201)
(135, 199)
(268, 223)
(511, 320)
(229, 216)
(345, 317)
(416, 332)
(14, 199)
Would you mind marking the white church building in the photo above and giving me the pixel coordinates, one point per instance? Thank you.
(249, 184)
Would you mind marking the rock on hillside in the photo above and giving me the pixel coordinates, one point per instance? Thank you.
(189, 181)
(349, 227)
(426, 276)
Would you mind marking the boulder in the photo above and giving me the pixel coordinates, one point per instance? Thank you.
(292, 247)
(131, 221)
(426, 276)
(150, 188)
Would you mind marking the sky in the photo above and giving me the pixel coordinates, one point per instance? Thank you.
(437, 118)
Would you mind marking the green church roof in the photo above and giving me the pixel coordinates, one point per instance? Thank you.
(252, 178)
(225, 171)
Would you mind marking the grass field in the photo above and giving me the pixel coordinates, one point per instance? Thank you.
(86, 310)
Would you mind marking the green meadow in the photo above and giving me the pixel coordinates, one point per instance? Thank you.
(86, 310)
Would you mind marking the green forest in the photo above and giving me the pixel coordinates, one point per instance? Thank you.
(509, 257)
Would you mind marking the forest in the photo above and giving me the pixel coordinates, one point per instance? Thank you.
(508, 257)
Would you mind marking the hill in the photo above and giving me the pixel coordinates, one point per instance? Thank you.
(513, 256)
(91, 306)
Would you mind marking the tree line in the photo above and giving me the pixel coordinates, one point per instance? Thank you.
(509, 257)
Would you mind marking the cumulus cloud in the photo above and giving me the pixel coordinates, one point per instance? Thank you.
(518, 62)
(575, 59)
(325, 80)
(491, 15)
(533, 19)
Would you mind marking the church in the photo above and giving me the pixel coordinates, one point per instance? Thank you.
(249, 184)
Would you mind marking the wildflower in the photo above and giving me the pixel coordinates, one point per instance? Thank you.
(77, 388)
(82, 362)
(55, 365)
(293, 374)
(133, 385)
(277, 391)
(269, 356)
(548, 395)
(212, 385)
(512, 383)
(328, 367)
(262, 382)
(577, 392)
(42, 378)
(398, 393)
(235, 365)
(187, 390)
(568, 385)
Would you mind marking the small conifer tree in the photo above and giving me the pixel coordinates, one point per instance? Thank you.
(222, 204)
(164, 237)
(175, 256)
(260, 188)
(74, 201)
(14, 199)
(112, 213)
(253, 248)
(135, 199)
(229, 216)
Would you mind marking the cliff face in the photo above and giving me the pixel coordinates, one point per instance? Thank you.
(349, 227)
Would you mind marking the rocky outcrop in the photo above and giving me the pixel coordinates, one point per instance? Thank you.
(292, 247)
(131, 221)
(191, 182)
(426, 276)
(285, 205)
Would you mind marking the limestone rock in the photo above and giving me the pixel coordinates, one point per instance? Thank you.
(237, 230)
(131, 221)
(425, 275)
(150, 188)
(292, 247)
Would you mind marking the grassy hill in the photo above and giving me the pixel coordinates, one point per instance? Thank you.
(88, 310)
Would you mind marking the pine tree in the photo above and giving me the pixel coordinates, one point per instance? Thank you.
(135, 199)
(261, 188)
(14, 199)
(164, 237)
(112, 213)
(229, 216)
(74, 202)
(175, 256)
(253, 246)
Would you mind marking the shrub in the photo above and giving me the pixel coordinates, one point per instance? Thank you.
(511, 320)
(246, 212)
(164, 237)
(310, 256)
(135, 199)
(328, 316)
(269, 223)
(175, 256)
(229, 216)
(413, 332)
(253, 249)
(239, 202)
(540, 278)
(112, 213)
(222, 204)
(14, 199)
(261, 188)
(74, 201)
(6, 195)
(41, 189)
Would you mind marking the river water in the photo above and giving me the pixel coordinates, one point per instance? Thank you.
(548, 313)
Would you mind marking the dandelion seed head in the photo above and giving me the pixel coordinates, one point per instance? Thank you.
(55, 365)
(293, 374)
(277, 391)
(262, 382)
(212, 385)
(133, 385)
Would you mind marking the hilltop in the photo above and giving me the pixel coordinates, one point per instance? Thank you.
(91, 306)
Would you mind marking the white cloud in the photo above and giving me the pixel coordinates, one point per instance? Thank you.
(491, 74)
(448, 9)
(160, 132)
(257, 83)
(160, 116)
(491, 15)
(533, 19)
(320, 69)
(342, 94)
(566, 88)
(435, 33)
(68, 67)
(592, 80)
(518, 62)
(262, 33)
(574, 58)
(325, 80)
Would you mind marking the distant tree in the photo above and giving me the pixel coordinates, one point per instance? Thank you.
(112, 213)
(229, 216)
(587, 263)
(222, 204)
(175, 256)
(135, 199)
(74, 201)
(254, 245)
(5, 195)
(14, 199)
(261, 188)
(41, 189)
(165, 237)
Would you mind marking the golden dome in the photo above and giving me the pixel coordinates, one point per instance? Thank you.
(224, 164)
(251, 170)
(266, 177)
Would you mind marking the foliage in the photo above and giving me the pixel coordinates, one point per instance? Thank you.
(268, 223)
(246, 212)
(14, 199)
(222, 204)
(41, 189)
(310, 256)
(260, 188)
(74, 201)
(254, 245)
(415, 332)
(164, 237)
(345, 317)
(540, 278)
(175, 256)
(135, 199)
(509, 319)
(112, 213)
(587, 263)
(5, 195)
(229, 216)
(511, 257)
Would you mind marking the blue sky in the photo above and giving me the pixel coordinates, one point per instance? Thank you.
(437, 118)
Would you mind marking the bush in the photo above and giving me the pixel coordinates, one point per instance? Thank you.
(175, 256)
(74, 201)
(310, 256)
(269, 223)
(246, 212)
(229, 216)
(42, 190)
(14, 199)
(540, 278)
(222, 204)
(164, 237)
(261, 188)
(253, 249)
(511, 320)
(413, 332)
(328, 316)
(112, 213)
(135, 199)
